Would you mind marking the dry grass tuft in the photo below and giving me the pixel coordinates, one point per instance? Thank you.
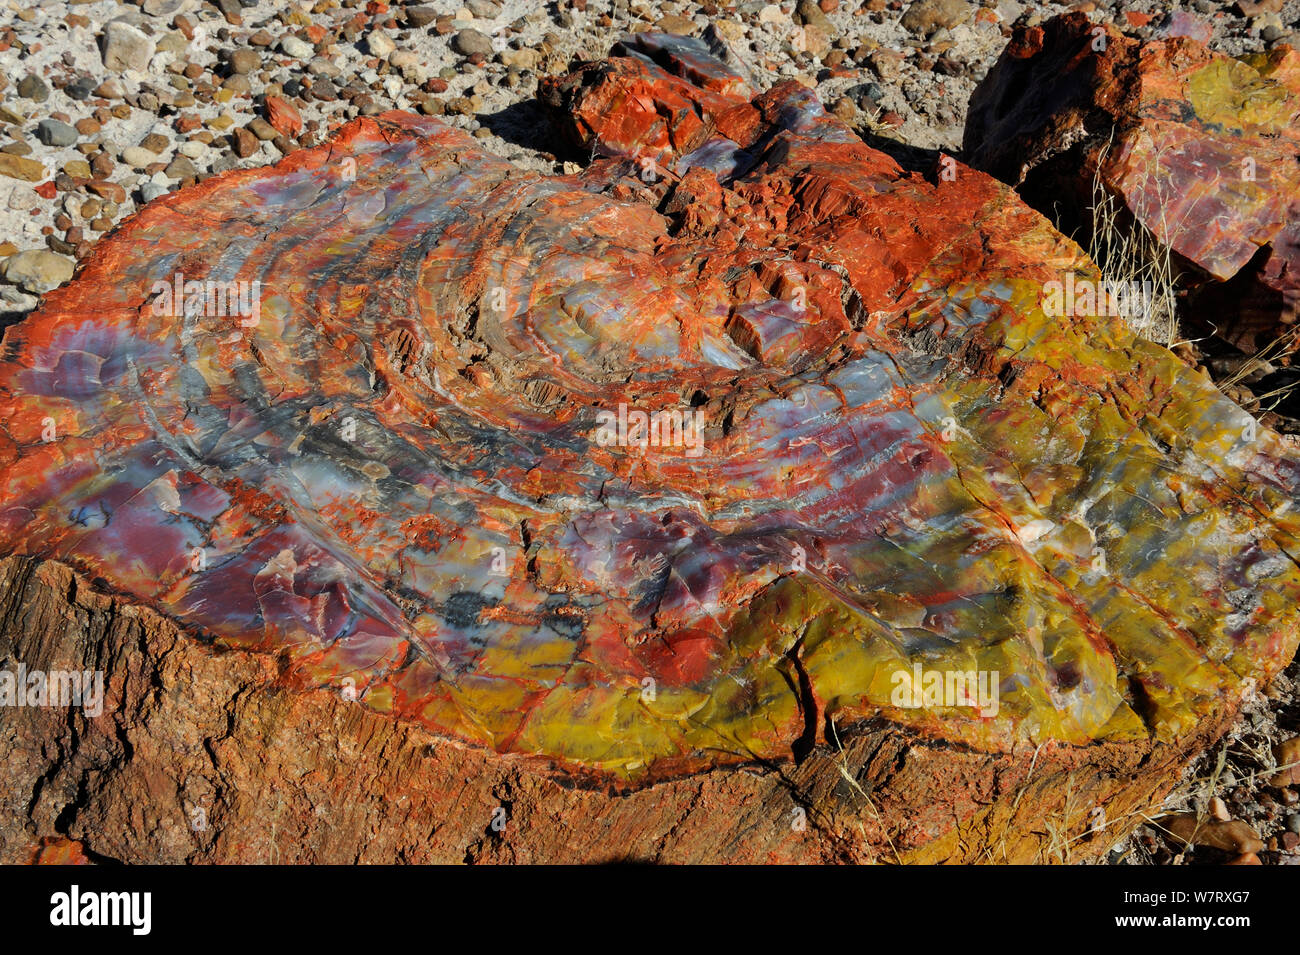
(1126, 251)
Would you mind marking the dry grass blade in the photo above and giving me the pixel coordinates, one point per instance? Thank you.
(1129, 254)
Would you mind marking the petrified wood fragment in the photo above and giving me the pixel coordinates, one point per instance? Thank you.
(1202, 149)
(664, 478)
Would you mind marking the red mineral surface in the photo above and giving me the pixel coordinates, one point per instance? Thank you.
(282, 114)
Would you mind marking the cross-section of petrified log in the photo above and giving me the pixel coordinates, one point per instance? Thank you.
(1202, 149)
(708, 457)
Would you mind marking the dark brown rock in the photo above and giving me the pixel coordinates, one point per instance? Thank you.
(243, 142)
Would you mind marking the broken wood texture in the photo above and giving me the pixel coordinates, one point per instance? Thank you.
(1201, 149)
(386, 559)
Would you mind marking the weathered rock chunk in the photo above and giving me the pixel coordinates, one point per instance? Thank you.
(37, 270)
(924, 17)
(125, 47)
(1202, 149)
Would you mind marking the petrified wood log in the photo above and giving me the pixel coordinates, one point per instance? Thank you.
(617, 515)
(1202, 149)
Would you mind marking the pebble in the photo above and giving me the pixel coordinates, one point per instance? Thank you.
(322, 67)
(80, 88)
(20, 167)
(155, 143)
(244, 143)
(925, 17)
(420, 15)
(404, 60)
(1219, 809)
(17, 300)
(168, 8)
(137, 156)
(520, 59)
(812, 40)
(125, 47)
(869, 94)
(237, 84)
(1246, 858)
(230, 10)
(461, 106)
(1233, 836)
(261, 129)
(34, 88)
(296, 47)
(324, 91)
(107, 190)
(283, 116)
(52, 132)
(180, 168)
(470, 41)
(380, 44)
(244, 61)
(809, 13)
(683, 26)
(1287, 755)
(23, 200)
(484, 9)
(37, 270)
